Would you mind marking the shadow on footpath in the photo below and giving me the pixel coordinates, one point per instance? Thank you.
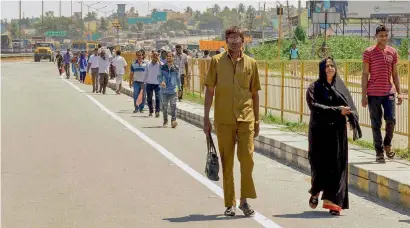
(307, 215)
(199, 217)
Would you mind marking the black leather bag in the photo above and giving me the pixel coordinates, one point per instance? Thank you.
(212, 162)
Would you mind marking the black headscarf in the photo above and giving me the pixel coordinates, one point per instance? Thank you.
(340, 90)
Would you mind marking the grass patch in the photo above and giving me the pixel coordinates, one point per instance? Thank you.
(287, 125)
(192, 97)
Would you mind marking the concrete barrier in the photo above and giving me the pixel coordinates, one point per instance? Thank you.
(17, 56)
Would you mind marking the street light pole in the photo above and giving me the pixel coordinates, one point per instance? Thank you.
(20, 26)
(42, 17)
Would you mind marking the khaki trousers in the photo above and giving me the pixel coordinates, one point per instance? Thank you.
(227, 135)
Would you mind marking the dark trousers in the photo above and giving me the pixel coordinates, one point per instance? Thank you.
(151, 88)
(82, 76)
(67, 69)
(382, 106)
(182, 86)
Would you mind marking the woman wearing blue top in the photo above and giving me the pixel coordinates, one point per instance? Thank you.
(82, 65)
(170, 81)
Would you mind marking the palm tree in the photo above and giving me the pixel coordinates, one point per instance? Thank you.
(241, 8)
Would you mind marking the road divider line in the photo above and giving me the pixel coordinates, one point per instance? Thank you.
(265, 222)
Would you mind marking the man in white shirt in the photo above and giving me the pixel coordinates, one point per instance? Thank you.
(181, 61)
(119, 64)
(154, 70)
(103, 70)
(93, 64)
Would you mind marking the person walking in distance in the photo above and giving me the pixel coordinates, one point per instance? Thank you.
(67, 60)
(59, 60)
(93, 64)
(152, 84)
(170, 81)
(233, 79)
(138, 75)
(181, 61)
(119, 64)
(380, 62)
(103, 70)
(82, 66)
(294, 57)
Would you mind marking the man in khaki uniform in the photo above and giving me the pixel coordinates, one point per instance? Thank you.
(233, 78)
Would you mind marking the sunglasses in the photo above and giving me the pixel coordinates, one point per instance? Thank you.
(235, 40)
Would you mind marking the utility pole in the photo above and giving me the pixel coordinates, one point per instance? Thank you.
(263, 22)
(299, 12)
(42, 17)
(279, 11)
(289, 22)
(20, 26)
(60, 8)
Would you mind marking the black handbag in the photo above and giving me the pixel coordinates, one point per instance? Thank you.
(212, 162)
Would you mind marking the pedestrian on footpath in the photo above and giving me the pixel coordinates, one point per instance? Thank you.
(152, 84)
(74, 61)
(330, 103)
(82, 66)
(170, 82)
(181, 61)
(93, 64)
(294, 58)
(59, 60)
(233, 78)
(67, 60)
(380, 62)
(138, 75)
(144, 92)
(103, 70)
(119, 65)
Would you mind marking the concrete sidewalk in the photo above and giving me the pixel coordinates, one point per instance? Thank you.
(390, 181)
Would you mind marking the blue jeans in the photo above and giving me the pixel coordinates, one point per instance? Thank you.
(151, 88)
(138, 86)
(170, 99)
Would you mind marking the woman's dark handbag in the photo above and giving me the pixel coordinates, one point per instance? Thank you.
(212, 162)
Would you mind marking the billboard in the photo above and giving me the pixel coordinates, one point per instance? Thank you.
(359, 9)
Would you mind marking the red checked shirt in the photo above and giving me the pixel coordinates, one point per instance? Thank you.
(381, 67)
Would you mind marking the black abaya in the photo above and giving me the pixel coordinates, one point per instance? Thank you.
(328, 141)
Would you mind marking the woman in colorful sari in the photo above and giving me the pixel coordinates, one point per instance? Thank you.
(331, 106)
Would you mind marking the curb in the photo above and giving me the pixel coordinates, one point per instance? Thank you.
(295, 154)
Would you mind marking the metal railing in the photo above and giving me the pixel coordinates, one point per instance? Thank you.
(285, 92)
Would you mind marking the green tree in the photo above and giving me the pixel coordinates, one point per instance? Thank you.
(14, 30)
(173, 25)
(300, 34)
(241, 8)
(216, 9)
(103, 25)
(188, 10)
(91, 16)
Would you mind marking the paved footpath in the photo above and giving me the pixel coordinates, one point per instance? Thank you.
(71, 158)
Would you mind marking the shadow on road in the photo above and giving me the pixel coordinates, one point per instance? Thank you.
(154, 127)
(199, 217)
(306, 215)
(405, 221)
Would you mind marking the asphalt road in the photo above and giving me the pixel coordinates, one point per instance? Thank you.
(71, 158)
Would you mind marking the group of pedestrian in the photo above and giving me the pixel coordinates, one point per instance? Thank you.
(233, 83)
(155, 76)
(100, 63)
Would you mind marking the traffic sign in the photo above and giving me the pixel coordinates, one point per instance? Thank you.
(56, 33)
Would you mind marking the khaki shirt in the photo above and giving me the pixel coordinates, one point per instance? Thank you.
(233, 87)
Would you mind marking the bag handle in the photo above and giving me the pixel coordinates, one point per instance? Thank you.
(210, 143)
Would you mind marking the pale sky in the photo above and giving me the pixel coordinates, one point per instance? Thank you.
(10, 9)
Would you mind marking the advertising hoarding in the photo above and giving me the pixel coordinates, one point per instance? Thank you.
(360, 9)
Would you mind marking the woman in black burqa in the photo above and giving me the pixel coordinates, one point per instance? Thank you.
(331, 106)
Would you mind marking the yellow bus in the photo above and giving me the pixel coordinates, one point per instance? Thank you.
(79, 45)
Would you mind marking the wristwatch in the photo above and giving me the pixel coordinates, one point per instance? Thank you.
(256, 121)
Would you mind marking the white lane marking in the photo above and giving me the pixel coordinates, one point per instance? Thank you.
(265, 222)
